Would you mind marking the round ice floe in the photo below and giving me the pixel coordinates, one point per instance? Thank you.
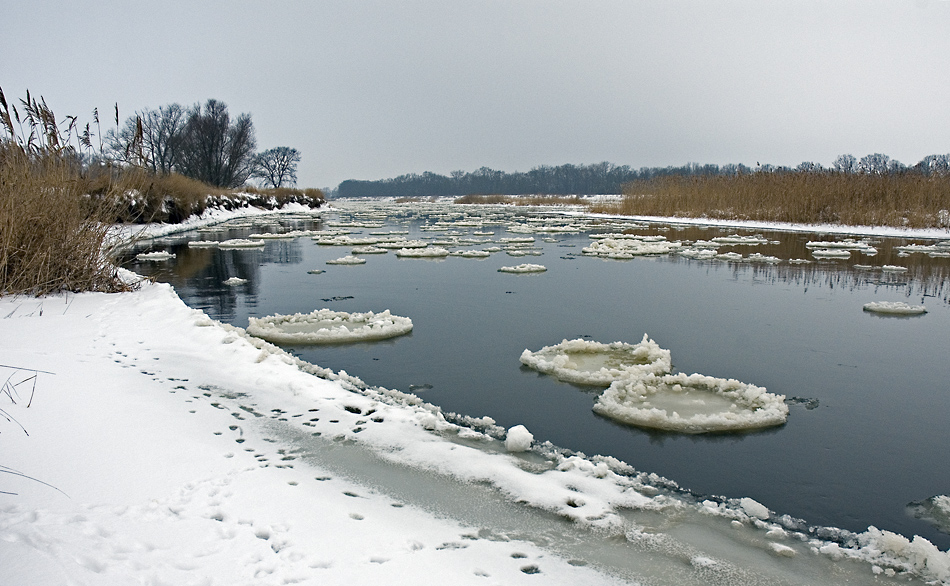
(518, 439)
(472, 253)
(157, 256)
(593, 363)
(523, 268)
(893, 269)
(347, 260)
(691, 403)
(325, 326)
(235, 281)
(369, 250)
(894, 308)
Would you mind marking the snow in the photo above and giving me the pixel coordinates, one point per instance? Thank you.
(523, 268)
(518, 439)
(325, 326)
(586, 362)
(894, 308)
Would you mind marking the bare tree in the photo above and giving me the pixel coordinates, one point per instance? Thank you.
(150, 137)
(214, 149)
(846, 164)
(277, 167)
(876, 164)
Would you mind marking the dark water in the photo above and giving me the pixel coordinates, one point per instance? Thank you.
(872, 437)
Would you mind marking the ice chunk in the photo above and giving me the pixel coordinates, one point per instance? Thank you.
(240, 243)
(235, 281)
(156, 256)
(593, 363)
(518, 439)
(691, 403)
(325, 326)
(894, 308)
(935, 510)
(523, 268)
(894, 269)
(472, 253)
(347, 260)
(433, 252)
(831, 253)
(754, 508)
(368, 250)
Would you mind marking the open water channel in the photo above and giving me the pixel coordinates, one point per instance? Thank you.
(869, 395)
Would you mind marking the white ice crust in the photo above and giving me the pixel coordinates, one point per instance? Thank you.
(894, 308)
(347, 260)
(235, 281)
(241, 243)
(325, 326)
(586, 362)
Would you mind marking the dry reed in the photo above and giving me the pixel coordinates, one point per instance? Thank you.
(908, 199)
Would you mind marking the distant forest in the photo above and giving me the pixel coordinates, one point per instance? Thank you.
(601, 178)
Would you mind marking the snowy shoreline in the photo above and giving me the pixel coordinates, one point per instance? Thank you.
(193, 453)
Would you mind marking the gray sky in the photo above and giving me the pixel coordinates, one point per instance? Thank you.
(374, 89)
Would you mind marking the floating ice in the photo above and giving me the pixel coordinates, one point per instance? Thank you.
(894, 308)
(203, 244)
(935, 510)
(831, 253)
(240, 243)
(523, 268)
(594, 363)
(518, 439)
(368, 250)
(433, 252)
(325, 326)
(893, 269)
(155, 256)
(692, 403)
(735, 239)
(627, 247)
(347, 260)
(472, 253)
(235, 281)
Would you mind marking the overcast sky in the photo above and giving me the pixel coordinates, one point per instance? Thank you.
(374, 89)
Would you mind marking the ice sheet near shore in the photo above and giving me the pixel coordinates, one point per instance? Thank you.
(325, 326)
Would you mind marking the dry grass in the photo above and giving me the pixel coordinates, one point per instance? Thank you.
(901, 200)
(522, 200)
(53, 236)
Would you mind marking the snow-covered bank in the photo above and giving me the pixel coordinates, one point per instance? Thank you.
(168, 471)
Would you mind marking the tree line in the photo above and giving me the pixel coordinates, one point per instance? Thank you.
(201, 142)
(607, 178)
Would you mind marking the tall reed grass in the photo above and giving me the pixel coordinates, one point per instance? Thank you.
(909, 199)
(59, 200)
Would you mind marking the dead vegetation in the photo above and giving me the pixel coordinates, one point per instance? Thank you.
(908, 199)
